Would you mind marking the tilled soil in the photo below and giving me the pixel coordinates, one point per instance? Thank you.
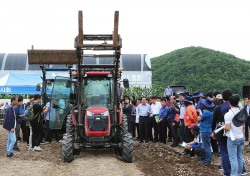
(149, 159)
(159, 159)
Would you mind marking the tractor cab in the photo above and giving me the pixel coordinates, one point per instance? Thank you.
(98, 102)
(60, 97)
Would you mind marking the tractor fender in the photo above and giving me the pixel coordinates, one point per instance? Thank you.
(73, 116)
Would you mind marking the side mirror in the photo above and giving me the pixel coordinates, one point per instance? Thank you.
(38, 87)
(68, 83)
(126, 83)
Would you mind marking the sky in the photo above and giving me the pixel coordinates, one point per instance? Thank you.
(153, 27)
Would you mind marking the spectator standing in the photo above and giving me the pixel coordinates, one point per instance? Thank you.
(218, 121)
(161, 122)
(127, 109)
(168, 92)
(173, 110)
(144, 110)
(10, 124)
(19, 119)
(206, 128)
(155, 107)
(190, 118)
(138, 101)
(133, 113)
(36, 123)
(28, 126)
(182, 112)
(235, 147)
(247, 124)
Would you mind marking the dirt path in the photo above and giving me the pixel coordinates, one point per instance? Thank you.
(48, 162)
(148, 159)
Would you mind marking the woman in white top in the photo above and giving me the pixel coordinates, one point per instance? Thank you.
(235, 140)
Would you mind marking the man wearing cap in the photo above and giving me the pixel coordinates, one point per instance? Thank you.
(217, 99)
(235, 137)
(195, 146)
(197, 96)
(206, 128)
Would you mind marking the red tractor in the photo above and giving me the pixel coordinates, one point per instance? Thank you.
(96, 118)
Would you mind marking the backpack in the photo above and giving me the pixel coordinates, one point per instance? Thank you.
(29, 112)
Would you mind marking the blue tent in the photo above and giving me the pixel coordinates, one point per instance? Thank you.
(13, 83)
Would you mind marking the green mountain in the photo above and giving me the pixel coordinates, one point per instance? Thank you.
(201, 69)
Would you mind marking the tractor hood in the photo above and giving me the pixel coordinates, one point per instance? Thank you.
(97, 110)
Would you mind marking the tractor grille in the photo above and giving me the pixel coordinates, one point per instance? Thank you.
(98, 123)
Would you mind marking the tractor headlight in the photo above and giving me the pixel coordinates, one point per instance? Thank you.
(106, 113)
(89, 113)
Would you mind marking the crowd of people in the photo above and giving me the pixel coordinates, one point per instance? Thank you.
(191, 123)
(185, 120)
(16, 120)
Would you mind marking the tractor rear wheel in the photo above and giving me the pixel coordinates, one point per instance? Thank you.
(67, 148)
(69, 125)
(127, 148)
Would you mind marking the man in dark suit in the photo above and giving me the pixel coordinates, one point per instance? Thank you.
(10, 125)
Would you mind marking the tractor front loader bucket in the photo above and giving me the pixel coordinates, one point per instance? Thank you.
(52, 57)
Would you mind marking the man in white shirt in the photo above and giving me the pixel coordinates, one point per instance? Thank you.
(182, 112)
(155, 107)
(235, 140)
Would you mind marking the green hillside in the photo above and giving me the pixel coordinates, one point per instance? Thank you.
(201, 69)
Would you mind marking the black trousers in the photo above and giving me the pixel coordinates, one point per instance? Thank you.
(247, 125)
(24, 131)
(28, 133)
(175, 135)
(156, 129)
(131, 128)
(199, 152)
(214, 145)
(137, 130)
(143, 127)
(169, 129)
(188, 135)
(162, 129)
(37, 133)
(150, 127)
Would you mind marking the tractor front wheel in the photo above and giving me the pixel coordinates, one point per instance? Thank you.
(127, 148)
(69, 125)
(67, 148)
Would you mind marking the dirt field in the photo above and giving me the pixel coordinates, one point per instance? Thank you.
(149, 159)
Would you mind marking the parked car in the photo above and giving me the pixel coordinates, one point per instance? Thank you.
(177, 89)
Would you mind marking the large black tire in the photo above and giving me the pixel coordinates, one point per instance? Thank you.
(124, 124)
(127, 148)
(70, 129)
(67, 148)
